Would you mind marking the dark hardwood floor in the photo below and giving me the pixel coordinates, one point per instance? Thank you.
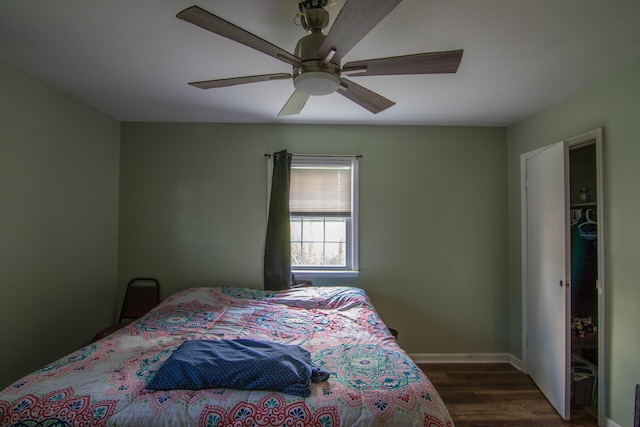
(496, 395)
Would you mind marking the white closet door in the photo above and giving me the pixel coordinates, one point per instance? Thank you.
(547, 258)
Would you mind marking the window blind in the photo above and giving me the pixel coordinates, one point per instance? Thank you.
(320, 188)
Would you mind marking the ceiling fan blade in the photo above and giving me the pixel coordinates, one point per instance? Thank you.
(354, 21)
(364, 97)
(208, 84)
(421, 63)
(294, 105)
(215, 24)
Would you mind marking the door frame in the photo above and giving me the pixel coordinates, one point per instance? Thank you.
(592, 137)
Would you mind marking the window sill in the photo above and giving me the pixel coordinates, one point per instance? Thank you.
(312, 274)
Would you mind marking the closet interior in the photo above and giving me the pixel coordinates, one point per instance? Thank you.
(584, 276)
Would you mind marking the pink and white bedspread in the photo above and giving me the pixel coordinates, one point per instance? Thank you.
(372, 380)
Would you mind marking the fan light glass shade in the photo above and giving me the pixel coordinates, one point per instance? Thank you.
(316, 83)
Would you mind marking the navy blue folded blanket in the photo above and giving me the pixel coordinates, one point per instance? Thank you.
(241, 364)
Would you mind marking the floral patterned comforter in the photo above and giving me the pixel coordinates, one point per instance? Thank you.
(373, 382)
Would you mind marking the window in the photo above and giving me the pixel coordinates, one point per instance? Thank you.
(323, 211)
(323, 205)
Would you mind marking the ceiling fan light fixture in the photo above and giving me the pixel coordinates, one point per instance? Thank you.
(317, 57)
(316, 83)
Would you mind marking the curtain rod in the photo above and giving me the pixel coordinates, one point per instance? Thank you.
(357, 156)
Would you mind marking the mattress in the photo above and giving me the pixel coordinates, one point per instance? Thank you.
(371, 382)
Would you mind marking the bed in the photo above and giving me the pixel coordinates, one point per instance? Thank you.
(371, 382)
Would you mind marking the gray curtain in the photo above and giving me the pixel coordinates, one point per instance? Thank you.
(277, 250)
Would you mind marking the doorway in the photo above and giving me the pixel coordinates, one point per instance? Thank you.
(584, 277)
(563, 273)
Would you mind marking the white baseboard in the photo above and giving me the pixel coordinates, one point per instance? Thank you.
(611, 423)
(466, 358)
(517, 363)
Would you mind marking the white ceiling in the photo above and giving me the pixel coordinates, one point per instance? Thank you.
(132, 59)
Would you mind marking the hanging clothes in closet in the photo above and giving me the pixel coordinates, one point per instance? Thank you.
(584, 264)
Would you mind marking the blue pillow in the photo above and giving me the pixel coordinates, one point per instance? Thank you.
(241, 364)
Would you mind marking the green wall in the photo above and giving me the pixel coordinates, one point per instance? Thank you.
(58, 223)
(433, 218)
(613, 104)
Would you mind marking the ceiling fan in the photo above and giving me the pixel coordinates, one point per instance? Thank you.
(317, 57)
